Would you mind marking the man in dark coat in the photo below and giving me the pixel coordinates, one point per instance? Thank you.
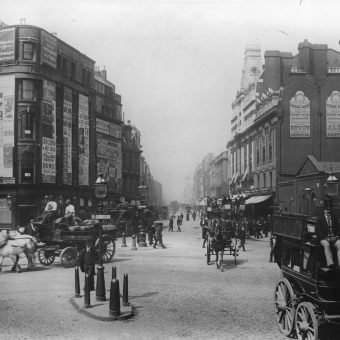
(328, 232)
(88, 257)
(171, 224)
(158, 234)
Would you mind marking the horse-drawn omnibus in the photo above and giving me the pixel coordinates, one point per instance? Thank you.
(307, 296)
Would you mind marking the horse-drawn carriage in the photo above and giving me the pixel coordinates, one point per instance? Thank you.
(59, 238)
(308, 293)
(230, 248)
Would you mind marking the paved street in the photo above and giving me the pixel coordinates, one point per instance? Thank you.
(175, 293)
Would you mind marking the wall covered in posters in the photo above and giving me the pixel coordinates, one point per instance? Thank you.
(299, 116)
(109, 161)
(67, 136)
(7, 88)
(83, 140)
(7, 47)
(49, 49)
(333, 115)
(48, 128)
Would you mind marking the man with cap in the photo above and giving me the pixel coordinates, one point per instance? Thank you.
(328, 232)
(49, 212)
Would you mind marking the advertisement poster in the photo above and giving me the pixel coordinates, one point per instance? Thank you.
(109, 161)
(333, 115)
(48, 124)
(49, 49)
(67, 134)
(299, 116)
(83, 140)
(7, 36)
(6, 128)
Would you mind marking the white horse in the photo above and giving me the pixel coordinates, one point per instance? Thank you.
(15, 244)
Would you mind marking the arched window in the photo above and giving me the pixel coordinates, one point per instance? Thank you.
(27, 167)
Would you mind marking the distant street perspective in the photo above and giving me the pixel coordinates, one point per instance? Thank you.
(169, 170)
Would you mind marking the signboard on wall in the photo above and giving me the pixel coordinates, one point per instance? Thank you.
(7, 86)
(83, 140)
(299, 108)
(48, 140)
(67, 135)
(49, 49)
(7, 43)
(333, 115)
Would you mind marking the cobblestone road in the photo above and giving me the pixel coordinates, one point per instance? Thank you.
(176, 295)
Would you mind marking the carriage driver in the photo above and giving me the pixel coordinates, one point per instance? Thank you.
(327, 232)
(49, 212)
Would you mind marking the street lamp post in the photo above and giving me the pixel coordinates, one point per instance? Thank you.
(142, 235)
(100, 191)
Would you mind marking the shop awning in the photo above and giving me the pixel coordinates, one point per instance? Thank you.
(257, 199)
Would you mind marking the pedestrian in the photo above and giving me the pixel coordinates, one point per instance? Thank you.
(88, 257)
(158, 235)
(194, 215)
(204, 226)
(219, 244)
(181, 216)
(151, 234)
(327, 231)
(272, 246)
(242, 237)
(171, 224)
(179, 222)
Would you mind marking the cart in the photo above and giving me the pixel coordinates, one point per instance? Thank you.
(307, 295)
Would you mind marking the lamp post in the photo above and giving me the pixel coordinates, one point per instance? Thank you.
(142, 236)
(100, 191)
(332, 188)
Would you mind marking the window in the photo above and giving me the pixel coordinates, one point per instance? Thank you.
(27, 167)
(73, 70)
(27, 89)
(264, 180)
(5, 212)
(270, 147)
(27, 122)
(28, 51)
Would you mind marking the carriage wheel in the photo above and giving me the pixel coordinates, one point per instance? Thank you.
(208, 252)
(306, 323)
(46, 257)
(108, 247)
(285, 306)
(68, 257)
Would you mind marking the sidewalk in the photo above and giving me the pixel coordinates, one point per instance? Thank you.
(99, 310)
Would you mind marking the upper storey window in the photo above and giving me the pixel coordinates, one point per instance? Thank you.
(28, 51)
(27, 89)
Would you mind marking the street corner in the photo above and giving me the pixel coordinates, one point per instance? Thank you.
(100, 310)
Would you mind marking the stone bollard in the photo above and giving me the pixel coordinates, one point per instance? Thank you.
(114, 298)
(123, 240)
(76, 282)
(87, 302)
(133, 247)
(125, 290)
(114, 272)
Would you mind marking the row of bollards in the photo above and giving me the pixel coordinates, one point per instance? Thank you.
(114, 303)
(133, 246)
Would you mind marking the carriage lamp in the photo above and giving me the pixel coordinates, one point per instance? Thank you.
(100, 191)
(307, 193)
(332, 188)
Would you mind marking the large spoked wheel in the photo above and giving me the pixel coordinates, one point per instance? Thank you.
(108, 247)
(285, 306)
(68, 257)
(306, 323)
(46, 257)
(208, 252)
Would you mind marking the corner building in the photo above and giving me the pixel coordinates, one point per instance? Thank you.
(47, 123)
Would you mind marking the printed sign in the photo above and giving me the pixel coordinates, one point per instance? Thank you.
(49, 49)
(333, 115)
(83, 140)
(67, 134)
(48, 140)
(299, 116)
(7, 43)
(7, 85)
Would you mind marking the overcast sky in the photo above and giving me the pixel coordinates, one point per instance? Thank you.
(177, 64)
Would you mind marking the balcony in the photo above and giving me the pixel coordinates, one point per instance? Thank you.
(295, 69)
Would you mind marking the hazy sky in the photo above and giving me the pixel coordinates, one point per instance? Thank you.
(177, 64)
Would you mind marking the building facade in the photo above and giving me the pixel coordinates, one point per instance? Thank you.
(48, 117)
